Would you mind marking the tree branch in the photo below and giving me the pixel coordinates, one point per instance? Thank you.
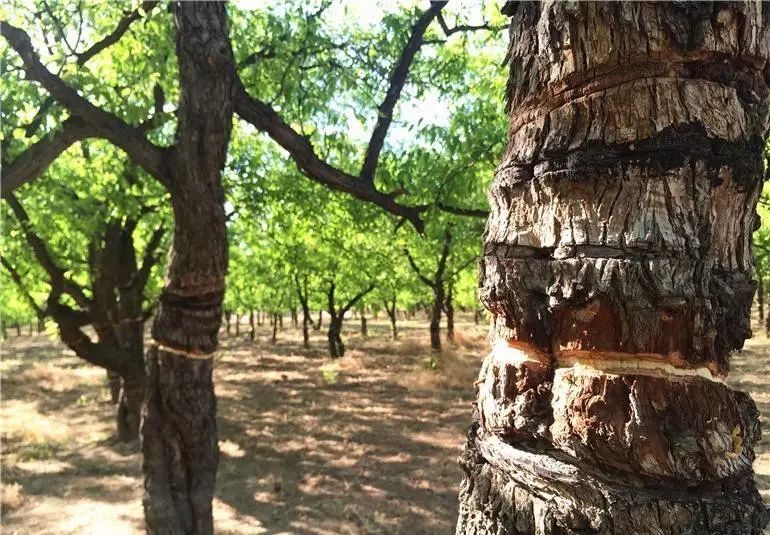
(444, 255)
(105, 124)
(356, 299)
(58, 280)
(17, 279)
(34, 161)
(396, 85)
(416, 269)
(118, 32)
(466, 27)
(264, 118)
(149, 259)
(467, 212)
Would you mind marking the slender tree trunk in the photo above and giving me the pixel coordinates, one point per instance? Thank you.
(364, 328)
(18, 329)
(294, 318)
(390, 309)
(279, 316)
(617, 268)
(274, 340)
(259, 318)
(179, 431)
(449, 311)
(227, 320)
(317, 326)
(435, 317)
(237, 325)
(252, 326)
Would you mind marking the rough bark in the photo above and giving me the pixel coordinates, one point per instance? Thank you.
(760, 299)
(179, 428)
(618, 272)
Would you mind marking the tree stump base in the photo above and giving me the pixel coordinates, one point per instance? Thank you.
(509, 490)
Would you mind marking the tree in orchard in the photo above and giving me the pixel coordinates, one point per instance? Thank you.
(94, 238)
(618, 272)
(120, 88)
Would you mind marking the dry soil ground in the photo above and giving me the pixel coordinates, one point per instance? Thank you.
(366, 444)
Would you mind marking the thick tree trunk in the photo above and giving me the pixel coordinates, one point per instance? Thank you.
(179, 431)
(334, 336)
(617, 268)
(760, 298)
(113, 383)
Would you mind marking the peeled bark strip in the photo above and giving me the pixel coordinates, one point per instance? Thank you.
(618, 271)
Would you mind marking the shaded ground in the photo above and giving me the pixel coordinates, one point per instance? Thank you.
(367, 444)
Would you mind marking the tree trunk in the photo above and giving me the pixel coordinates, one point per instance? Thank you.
(227, 320)
(18, 329)
(390, 309)
(364, 329)
(317, 326)
(435, 317)
(449, 311)
(129, 412)
(179, 431)
(274, 322)
(237, 325)
(4, 329)
(113, 383)
(760, 298)
(279, 316)
(334, 336)
(294, 318)
(617, 268)
(253, 331)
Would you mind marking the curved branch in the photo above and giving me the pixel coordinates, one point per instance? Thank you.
(264, 118)
(103, 123)
(59, 282)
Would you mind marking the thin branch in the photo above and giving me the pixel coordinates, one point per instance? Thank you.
(150, 257)
(117, 33)
(466, 27)
(467, 212)
(416, 269)
(17, 279)
(397, 81)
(356, 298)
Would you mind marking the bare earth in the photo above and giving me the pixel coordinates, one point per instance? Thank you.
(366, 444)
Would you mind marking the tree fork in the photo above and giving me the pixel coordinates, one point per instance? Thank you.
(618, 272)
